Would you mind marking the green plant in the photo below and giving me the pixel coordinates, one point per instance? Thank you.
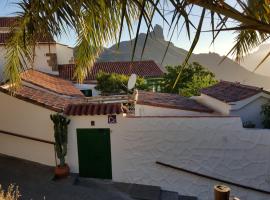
(60, 135)
(266, 115)
(12, 193)
(193, 78)
(112, 83)
(248, 124)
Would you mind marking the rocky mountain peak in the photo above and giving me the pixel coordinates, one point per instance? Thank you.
(158, 32)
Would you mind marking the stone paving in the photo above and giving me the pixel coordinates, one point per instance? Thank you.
(35, 182)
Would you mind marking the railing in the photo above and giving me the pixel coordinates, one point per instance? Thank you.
(213, 178)
(113, 98)
(26, 137)
(131, 107)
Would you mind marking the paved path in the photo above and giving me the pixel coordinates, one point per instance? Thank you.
(35, 182)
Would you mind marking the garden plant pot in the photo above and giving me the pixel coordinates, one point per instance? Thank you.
(61, 172)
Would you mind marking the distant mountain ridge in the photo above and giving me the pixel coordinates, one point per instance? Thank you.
(155, 49)
(252, 60)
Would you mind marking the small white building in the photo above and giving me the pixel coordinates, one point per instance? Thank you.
(164, 104)
(26, 129)
(48, 53)
(235, 99)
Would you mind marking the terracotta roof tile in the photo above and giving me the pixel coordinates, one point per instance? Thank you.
(141, 68)
(45, 99)
(7, 21)
(95, 109)
(51, 83)
(5, 36)
(173, 101)
(68, 105)
(231, 92)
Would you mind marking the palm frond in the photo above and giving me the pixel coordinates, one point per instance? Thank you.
(193, 45)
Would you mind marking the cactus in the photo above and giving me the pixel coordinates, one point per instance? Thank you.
(60, 135)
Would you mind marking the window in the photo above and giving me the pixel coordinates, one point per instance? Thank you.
(87, 93)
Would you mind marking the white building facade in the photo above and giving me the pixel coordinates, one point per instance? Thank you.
(48, 53)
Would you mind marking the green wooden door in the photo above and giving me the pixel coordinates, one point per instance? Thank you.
(94, 149)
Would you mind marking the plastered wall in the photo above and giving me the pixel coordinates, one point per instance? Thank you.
(217, 147)
(24, 118)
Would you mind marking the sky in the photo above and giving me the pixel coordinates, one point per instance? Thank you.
(221, 46)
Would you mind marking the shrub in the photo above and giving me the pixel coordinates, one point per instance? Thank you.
(12, 193)
(266, 115)
(116, 83)
(249, 124)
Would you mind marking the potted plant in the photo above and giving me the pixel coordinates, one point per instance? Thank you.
(60, 135)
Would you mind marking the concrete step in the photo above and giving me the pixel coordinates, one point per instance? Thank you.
(135, 191)
(104, 186)
(181, 197)
(168, 195)
(144, 192)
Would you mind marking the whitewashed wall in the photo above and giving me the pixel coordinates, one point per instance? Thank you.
(2, 61)
(41, 60)
(252, 111)
(24, 118)
(146, 110)
(215, 146)
(5, 29)
(64, 54)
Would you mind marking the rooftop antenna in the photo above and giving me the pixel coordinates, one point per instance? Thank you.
(131, 84)
(132, 81)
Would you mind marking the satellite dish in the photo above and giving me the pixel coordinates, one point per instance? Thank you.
(132, 81)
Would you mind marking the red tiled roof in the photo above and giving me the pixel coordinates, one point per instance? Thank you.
(142, 68)
(45, 99)
(7, 21)
(173, 101)
(51, 83)
(5, 36)
(95, 109)
(231, 92)
(68, 105)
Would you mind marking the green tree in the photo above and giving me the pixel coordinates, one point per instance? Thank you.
(192, 79)
(98, 22)
(197, 82)
(112, 83)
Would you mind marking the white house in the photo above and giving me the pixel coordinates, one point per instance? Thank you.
(235, 99)
(105, 141)
(201, 135)
(48, 53)
(26, 124)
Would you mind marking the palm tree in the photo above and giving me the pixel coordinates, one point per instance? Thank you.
(98, 21)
